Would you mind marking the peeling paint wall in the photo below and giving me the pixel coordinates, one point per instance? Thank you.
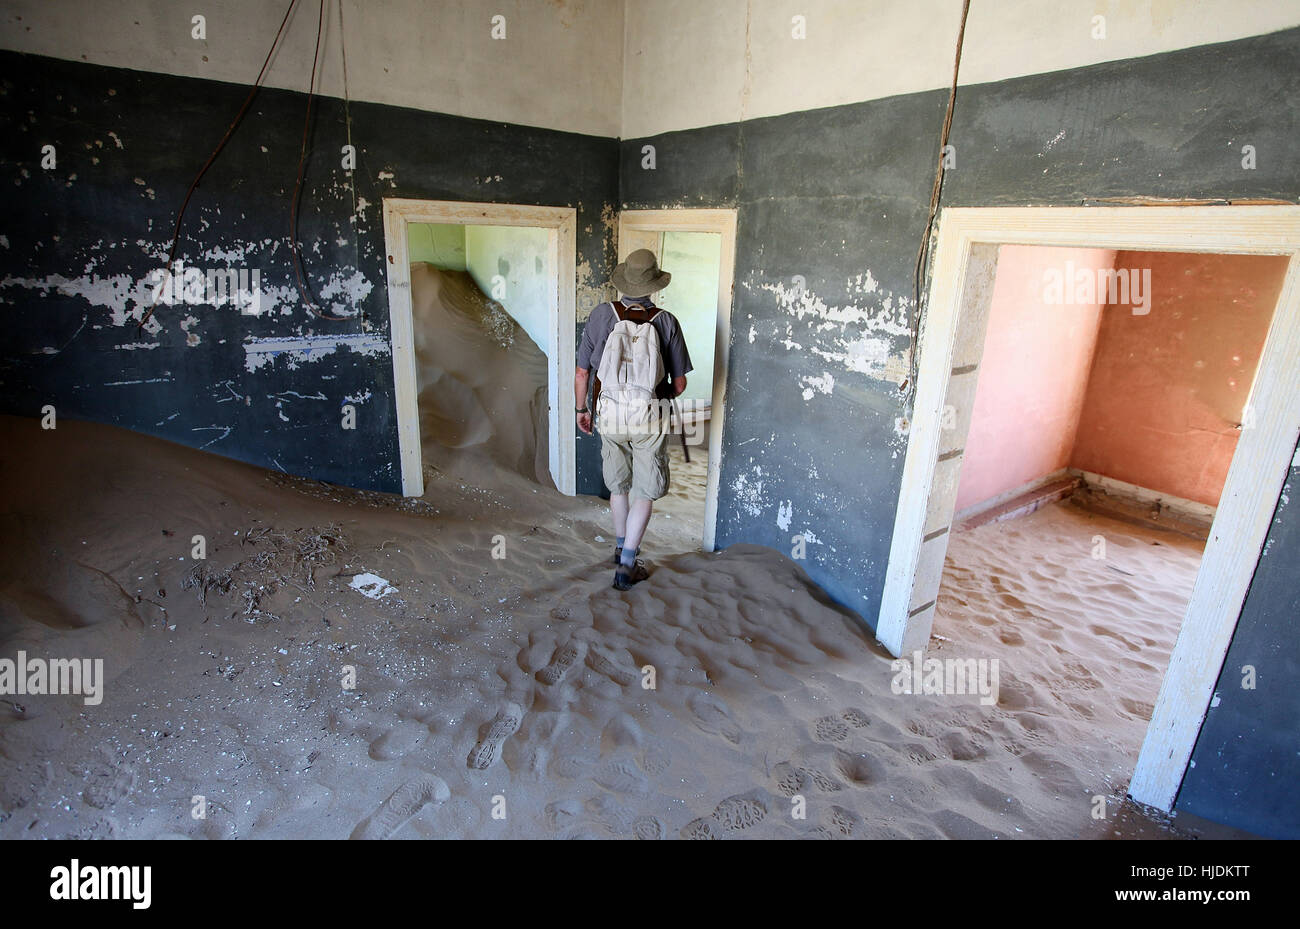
(831, 207)
(247, 371)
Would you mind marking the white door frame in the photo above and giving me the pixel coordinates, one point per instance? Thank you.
(1255, 478)
(722, 222)
(561, 224)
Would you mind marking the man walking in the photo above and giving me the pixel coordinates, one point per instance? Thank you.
(641, 363)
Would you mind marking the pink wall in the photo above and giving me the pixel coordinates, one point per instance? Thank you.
(1034, 373)
(1167, 388)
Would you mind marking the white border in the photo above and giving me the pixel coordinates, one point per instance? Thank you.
(722, 222)
(1259, 466)
(562, 224)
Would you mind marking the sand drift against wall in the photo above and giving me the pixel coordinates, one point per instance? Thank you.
(482, 380)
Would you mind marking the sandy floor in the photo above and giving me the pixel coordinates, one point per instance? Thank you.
(514, 685)
(355, 664)
(1083, 641)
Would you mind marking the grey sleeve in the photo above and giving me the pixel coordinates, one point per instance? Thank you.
(593, 333)
(679, 359)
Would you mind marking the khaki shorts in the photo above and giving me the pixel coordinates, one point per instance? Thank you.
(635, 464)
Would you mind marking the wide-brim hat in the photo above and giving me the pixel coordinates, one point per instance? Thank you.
(639, 274)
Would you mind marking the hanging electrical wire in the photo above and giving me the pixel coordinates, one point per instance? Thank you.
(935, 192)
(352, 174)
(180, 215)
(294, 248)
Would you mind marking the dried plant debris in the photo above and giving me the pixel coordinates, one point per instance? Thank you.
(276, 559)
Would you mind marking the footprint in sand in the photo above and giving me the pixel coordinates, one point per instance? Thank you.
(602, 662)
(845, 822)
(791, 780)
(654, 761)
(609, 813)
(740, 811)
(109, 785)
(855, 718)
(569, 767)
(831, 729)
(503, 726)
(397, 810)
(621, 777)
(713, 716)
(563, 814)
(648, 828)
(565, 658)
(699, 829)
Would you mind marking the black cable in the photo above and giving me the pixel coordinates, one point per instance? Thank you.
(934, 206)
(297, 190)
(176, 233)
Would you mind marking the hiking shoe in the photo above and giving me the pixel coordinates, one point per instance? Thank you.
(618, 555)
(625, 577)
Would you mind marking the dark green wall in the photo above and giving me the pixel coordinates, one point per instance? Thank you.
(128, 145)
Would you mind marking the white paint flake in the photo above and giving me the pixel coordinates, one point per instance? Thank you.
(858, 336)
(307, 348)
(825, 384)
(749, 491)
(372, 586)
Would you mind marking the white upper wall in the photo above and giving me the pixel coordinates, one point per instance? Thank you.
(691, 63)
(634, 68)
(558, 67)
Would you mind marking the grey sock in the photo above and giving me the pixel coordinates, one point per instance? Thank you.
(618, 542)
(628, 558)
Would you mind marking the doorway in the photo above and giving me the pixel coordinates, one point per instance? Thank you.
(558, 277)
(698, 247)
(951, 346)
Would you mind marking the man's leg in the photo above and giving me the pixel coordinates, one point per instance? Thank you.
(637, 519)
(618, 509)
(616, 466)
(649, 483)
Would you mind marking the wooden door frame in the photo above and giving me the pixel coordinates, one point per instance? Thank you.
(561, 224)
(1255, 478)
(722, 222)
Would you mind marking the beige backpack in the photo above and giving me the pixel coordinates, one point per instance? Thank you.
(631, 367)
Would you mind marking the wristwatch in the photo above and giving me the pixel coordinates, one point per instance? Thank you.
(581, 411)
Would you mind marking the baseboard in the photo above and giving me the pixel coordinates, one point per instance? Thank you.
(1097, 493)
(1161, 504)
(1037, 495)
(977, 509)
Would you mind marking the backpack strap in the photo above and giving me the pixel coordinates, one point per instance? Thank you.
(623, 312)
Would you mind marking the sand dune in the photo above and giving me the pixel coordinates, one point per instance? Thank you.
(504, 697)
(481, 379)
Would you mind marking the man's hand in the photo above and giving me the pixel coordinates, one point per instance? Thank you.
(580, 377)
